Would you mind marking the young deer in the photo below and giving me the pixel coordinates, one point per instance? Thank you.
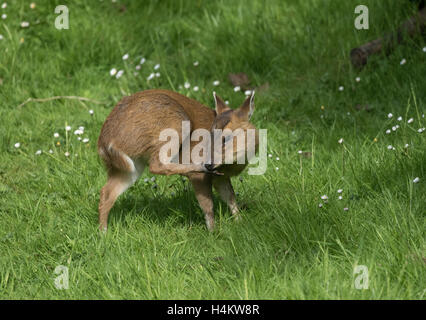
(129, 141)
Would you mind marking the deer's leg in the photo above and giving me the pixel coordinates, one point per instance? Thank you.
(224, 187)
(117, 183)
(203, 191)
(157, 167)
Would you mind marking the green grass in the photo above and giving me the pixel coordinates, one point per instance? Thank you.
(157, 246)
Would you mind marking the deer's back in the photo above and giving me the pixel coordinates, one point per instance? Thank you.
(135, 123)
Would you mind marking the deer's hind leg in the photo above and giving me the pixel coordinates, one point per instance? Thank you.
(119, 181)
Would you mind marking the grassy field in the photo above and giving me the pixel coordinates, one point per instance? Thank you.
(287, 246)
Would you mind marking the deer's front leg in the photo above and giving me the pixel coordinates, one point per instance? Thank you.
(202, 184)
(224, 187)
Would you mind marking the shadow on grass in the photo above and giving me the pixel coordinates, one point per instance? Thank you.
(158, 208)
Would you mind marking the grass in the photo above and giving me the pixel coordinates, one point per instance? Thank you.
(157, 246)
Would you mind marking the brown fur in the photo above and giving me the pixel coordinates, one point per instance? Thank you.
(129, 140)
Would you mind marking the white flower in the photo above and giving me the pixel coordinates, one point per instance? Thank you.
(390, 147)
(406, 145)
(226, 102)
(4, 16)
(142, 61)
(195, 88)
(421, 130)
(157, 66)
(276, 168)
(216, 82)
(153, 179)
(340, 140)
(340, 197)
(424, 49)
(112, 72)
(138, 67)
(187, 85)
(397, 126)
(270, 155)
(345, 209)
(119, 74)
(399, 118)
(320, 205)
(390, 115)
(25, 24)
(410, 120)
(300, 152)
(56, 135)
(416, 179)
(403, 61)
(126, 56)
(78, 132)
(237, 88)
(67, 154)
(340, 191)
(4, 5)
(68, 128)
(357, 79)
(32, 5)
(50, 151)
(324, 197)
(81, 128)
(151, 76)
(91, 112)
(17, 145)
(196, 63)
(394, 128)
(388, 131)
(341, 88)
(79, 138)
(38, 152)
(1, 37)
(85, 140)
(277, 158)
(157, 74)
(247, 92)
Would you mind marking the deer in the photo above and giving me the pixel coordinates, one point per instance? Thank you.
(129, 142)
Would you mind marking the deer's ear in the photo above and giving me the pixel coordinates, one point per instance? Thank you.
(220, 106)
(247, 109)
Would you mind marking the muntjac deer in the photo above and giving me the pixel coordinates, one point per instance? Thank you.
(130, 140)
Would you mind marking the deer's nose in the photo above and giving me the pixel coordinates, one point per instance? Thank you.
(209, 166)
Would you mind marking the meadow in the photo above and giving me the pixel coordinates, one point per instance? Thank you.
(345, 184)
